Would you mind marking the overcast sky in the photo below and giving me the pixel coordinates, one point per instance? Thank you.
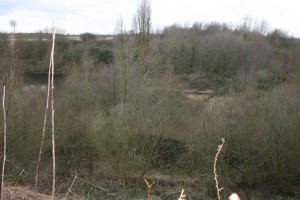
(100, 16)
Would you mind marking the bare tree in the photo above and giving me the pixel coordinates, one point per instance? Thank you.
(264, 27)
(119, 54)
(119, 29)
(142, 21)
(13, 62)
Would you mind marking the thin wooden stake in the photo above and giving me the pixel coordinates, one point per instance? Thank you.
(4, 144)
(52, 115)
(50, 87)
(44, 128)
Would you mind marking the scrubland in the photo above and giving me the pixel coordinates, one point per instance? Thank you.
(130, 109)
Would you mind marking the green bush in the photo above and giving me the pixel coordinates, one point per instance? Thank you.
(102, 55)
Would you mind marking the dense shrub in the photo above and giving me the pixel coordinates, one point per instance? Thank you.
(102, 55)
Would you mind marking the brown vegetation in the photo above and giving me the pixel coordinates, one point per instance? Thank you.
(123, 113)
(22, 193)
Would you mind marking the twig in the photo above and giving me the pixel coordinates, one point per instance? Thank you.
(90, 183)
(4, 144)
(182, 196)
(149, 187)
(215, 168)
(69, 190)
(19, 176)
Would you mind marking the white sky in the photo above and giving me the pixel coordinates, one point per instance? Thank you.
(100, 16)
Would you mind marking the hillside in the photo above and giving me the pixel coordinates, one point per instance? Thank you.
(156, 106)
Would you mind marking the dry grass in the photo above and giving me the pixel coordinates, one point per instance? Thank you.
(21, 193)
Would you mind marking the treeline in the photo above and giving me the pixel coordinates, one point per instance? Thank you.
(120, 117)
